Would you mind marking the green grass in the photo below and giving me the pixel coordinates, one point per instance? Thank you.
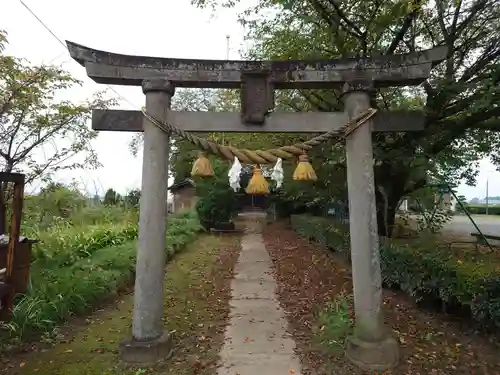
(65, 246)
(59, 290)
(334, 324)
(196, 290)
(489, 216)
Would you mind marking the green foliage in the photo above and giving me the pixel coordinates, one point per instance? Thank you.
(423, 272)
(480, 209)
(56, 292)
(61, 248)
(112, 198)
(34, 119)
(216, 202)
(334, 323)
(58, 207)
(53, 201)
(433, 220)
(460, 99)
(3, 40)
(41, 133)
(133, 197)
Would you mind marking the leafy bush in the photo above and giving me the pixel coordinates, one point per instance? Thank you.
(64, 247)
(426, 274)
(58, 206)
(481, 209)
(57, 293)
(334, 323)
(434, 220)
(216, 202)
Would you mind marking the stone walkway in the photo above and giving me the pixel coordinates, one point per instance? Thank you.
(256, 339)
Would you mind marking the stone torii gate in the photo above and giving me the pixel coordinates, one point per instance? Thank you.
(370, 347)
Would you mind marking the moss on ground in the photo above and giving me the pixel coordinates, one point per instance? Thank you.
(196, 308)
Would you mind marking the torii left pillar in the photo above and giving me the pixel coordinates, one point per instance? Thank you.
(150, 341)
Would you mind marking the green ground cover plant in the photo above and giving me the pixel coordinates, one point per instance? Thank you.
(65, 245)
(197, 294)
(64, 283)
(427, 273)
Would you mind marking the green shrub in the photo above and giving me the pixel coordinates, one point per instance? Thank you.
(480, 209)
(423, 273)
(64, 247)
(57, 293)
(321, 230)
(334, 323)
(216, 203)
(60, 206)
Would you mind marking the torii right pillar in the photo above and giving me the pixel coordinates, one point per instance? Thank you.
(370, 347)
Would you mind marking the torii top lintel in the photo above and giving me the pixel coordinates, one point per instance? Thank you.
(395, 70)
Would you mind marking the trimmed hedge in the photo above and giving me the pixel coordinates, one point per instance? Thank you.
(57, 293)
(480, 209)
(427, 274)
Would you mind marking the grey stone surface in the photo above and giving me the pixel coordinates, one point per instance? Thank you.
(376, 356)
(146, 352)
(248, 289)
(367, 280)
(370, 348)
(118, 69)
(461, 224)
(281, 122)
(150, 264)
(256, 339)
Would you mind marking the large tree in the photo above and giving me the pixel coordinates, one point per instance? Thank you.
(40, 132)
(460, 99)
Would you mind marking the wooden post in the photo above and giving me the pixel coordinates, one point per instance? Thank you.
(370, 347)
(7, 300)
(150, 343)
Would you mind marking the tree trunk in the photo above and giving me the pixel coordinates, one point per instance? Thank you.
(4, 200)
(3, 209)
(386, 213)
(390, 182)
(386, 219)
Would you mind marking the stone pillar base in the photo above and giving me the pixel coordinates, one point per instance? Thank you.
(146, 352)
(380, 356)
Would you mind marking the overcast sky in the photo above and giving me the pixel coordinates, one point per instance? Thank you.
(150, 27)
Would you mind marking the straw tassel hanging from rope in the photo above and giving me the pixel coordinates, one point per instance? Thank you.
(202, 167)
(304, 170)
(258, 184)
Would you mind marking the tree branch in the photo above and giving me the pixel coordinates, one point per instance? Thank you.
(410, 17)
(342, 16)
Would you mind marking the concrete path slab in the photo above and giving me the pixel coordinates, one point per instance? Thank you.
(256, 339)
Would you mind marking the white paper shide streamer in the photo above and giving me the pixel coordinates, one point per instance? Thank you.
(234, 175)
(277, 174)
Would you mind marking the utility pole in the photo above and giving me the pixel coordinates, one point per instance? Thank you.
(487, 193)
(227, 58)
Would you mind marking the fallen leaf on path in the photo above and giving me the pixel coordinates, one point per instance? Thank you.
(309, 276)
